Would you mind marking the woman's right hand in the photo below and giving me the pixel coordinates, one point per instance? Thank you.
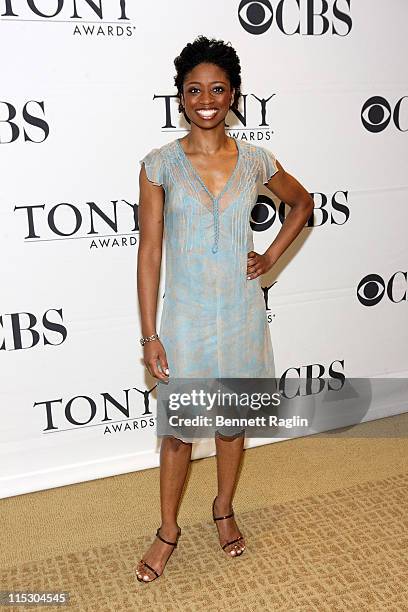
(154, 354)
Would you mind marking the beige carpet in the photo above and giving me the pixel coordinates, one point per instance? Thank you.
(325, 521)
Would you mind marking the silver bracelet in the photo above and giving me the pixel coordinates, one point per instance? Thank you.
(145, 339)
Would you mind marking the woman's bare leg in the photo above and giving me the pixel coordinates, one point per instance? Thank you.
(229, 455)
(175, 457)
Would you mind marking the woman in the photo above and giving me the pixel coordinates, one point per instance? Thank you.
(201, 190)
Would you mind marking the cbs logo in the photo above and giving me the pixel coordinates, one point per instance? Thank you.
(377, 113)
(372, 288)
(256, 17)
(328, 208)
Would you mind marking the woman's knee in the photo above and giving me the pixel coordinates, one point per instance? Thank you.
(175, 444)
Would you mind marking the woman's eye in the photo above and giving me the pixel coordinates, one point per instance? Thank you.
(217, 89)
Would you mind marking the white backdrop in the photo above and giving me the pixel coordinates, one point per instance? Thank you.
(86, 93)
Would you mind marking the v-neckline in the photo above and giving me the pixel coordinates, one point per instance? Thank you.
(197, 175)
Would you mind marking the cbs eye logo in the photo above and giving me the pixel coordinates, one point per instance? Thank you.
(371, 289)
(263, 214)
(255, 16)
(376, 114)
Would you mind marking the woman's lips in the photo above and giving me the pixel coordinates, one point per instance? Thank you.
(207, 113)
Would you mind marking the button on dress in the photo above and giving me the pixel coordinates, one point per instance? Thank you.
(213, 321)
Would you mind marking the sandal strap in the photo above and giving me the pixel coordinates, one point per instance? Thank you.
(220, 518)
(150, 568)
(232, 542)
(166, 541)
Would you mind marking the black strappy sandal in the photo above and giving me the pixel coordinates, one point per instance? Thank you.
(220, 518)
(174, 544)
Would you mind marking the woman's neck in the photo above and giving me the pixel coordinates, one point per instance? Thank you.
(206, 141)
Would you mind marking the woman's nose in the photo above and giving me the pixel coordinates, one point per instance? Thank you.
(206, 97)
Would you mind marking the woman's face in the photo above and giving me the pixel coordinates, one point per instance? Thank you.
(207, 95)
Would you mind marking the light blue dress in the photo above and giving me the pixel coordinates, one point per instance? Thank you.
(213, 320)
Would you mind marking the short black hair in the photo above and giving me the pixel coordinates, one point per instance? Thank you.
(211, 51)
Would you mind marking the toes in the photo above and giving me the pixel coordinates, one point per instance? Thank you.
(231, 550)
(144, 573)
(236, 550)
(148, 575)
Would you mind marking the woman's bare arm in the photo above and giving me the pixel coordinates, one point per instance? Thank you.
(150, 215)
(289, 190)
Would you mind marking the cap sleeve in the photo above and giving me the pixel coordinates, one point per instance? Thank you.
(268, 166)
(153, 162)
